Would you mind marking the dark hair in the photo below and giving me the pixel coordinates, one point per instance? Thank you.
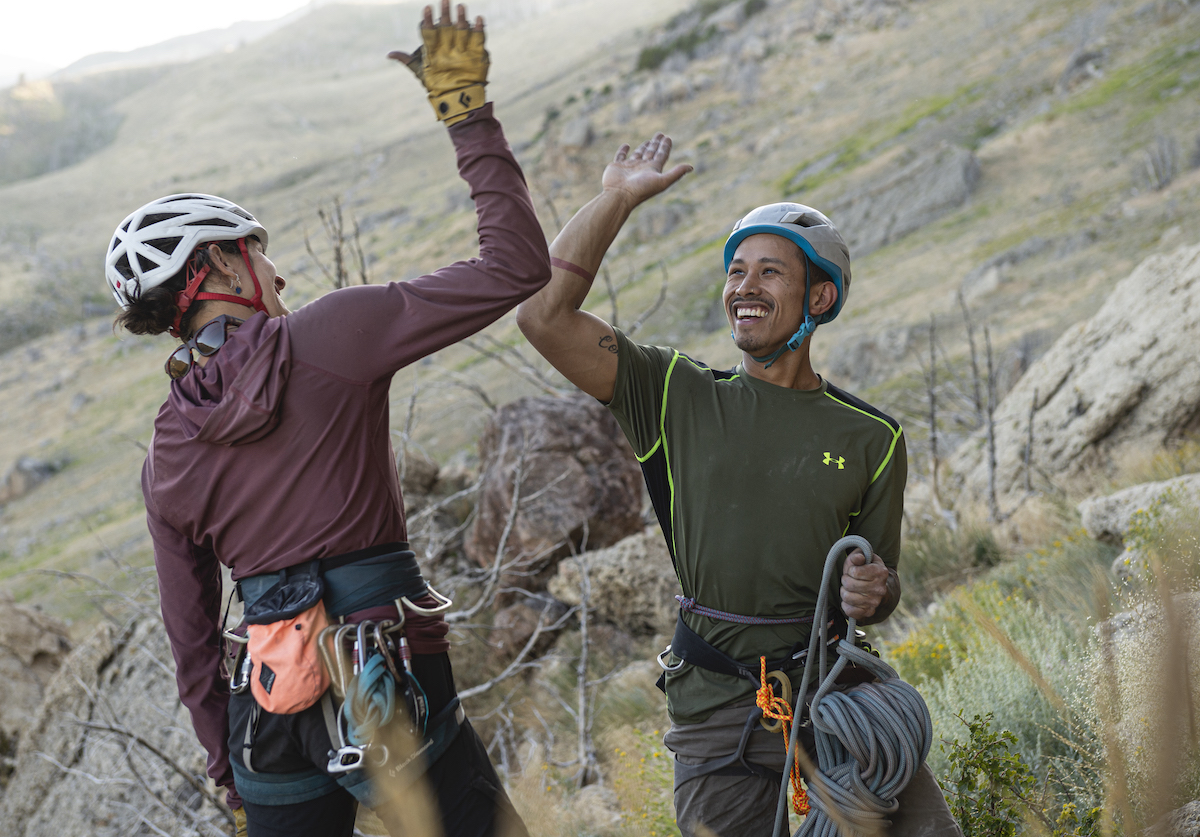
(153, 311)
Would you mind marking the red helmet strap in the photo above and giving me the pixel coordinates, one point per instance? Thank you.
(185, 298)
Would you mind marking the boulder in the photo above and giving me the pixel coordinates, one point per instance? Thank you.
(1122, 379)
(26, 474)
(577, 134)
(74, 779)
(659, 92)
(930, 186)
(32, 648)
(1108, 518)
(578, 485)
(633, 584)
(515, 625)
(1182, 822)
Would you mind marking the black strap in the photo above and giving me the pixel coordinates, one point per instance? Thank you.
(335, 561)
(692, 648)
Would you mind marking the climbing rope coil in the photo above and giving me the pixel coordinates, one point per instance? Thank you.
(871, 739)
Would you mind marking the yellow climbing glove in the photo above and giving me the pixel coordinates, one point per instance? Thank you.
(239, 821)
(452, 64)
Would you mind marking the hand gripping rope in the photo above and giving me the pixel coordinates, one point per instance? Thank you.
(871, 739)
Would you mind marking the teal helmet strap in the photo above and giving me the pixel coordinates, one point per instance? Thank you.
(806, 328)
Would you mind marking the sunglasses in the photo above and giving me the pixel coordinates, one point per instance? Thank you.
(207, 340)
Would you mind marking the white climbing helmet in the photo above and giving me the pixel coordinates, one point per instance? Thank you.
(155, 242)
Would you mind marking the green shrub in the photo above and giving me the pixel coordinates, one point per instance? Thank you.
(992, 790)
(935, 558)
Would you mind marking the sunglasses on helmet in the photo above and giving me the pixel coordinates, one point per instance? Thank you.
(206, 341)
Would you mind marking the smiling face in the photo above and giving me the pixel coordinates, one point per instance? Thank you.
(764, 293)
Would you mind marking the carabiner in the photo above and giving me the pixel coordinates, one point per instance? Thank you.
(682, 662)
(785, 692)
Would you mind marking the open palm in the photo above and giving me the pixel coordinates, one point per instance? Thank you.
(639, 173)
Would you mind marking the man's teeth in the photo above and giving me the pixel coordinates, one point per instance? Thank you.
(746, 313)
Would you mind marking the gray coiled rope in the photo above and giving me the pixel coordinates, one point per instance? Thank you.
(871, 739)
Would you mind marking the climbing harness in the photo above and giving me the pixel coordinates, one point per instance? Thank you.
(871, 739)
(692, 649)
(369, 668)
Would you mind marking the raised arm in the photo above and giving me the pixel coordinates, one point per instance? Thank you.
(580, 345)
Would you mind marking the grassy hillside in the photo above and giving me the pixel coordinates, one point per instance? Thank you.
(313, 112)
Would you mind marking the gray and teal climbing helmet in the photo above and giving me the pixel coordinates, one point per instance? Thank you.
(819, 241)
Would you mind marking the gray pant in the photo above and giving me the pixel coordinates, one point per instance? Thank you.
(733, 806)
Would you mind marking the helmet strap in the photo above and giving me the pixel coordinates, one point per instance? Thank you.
(185, 298)
(807, 327)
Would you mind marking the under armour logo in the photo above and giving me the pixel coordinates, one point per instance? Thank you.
(841, 461)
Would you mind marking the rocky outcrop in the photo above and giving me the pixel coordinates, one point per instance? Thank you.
(1126, 377)
(86, 766)
(574, 478)
(515, 625)
(1182, 822)
(1113, 519)
(1109, 518)
(632, 584)
(32, 648)
(889, 208)
(26, 474)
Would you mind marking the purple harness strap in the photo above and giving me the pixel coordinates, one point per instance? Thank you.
(689, 606)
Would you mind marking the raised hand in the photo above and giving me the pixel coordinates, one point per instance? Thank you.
(451, 63)
(639, 174)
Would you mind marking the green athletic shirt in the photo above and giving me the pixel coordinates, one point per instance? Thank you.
(752, 484)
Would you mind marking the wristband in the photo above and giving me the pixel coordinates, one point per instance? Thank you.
(455, 106)
(572, 268)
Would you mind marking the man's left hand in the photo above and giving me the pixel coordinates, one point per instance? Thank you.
(864, 585)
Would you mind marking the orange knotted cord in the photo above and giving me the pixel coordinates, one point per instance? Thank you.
(776, 708)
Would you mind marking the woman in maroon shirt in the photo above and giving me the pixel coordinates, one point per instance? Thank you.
(273, 450)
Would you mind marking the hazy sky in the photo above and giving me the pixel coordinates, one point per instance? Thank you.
(57, 32)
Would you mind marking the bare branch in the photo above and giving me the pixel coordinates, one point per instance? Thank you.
(166, 759)
(518, 664)
(488, 593)
(524, 370)
(650, 312)
(612, 293)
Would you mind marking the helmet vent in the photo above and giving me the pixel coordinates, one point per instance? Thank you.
(145, 263)
(165, 245)
(150, 220)
(123, 266)
(802, 219)
(211, 222)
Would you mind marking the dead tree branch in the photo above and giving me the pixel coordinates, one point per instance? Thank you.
(521, 366)
(653, 309)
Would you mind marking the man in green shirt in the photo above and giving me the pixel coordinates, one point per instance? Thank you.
(754, 474)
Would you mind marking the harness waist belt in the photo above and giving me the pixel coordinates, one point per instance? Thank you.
(355, 581)
(693, 649)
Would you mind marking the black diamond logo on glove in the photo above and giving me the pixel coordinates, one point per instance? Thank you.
(464, 100)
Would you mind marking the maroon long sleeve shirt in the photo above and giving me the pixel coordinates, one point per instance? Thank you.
(278, 450)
